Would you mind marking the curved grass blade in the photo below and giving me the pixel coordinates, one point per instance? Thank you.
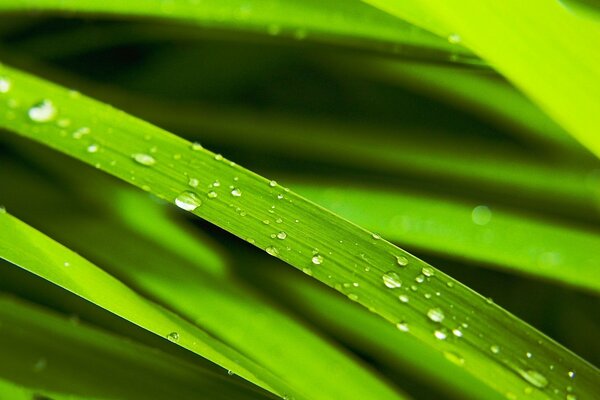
(489, 235)
(532, 44)
(48, 353)
(231, 314)
(356, 262)
(353, 24)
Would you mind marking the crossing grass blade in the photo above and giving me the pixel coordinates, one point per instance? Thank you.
(442, 313)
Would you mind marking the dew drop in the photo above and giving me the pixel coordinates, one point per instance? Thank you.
(272, 183)
(216, 184)
(272, 251)
(212, 194)
(218, 157)
(173, 337)
(5, 84)
(457, 332)
(402, 326)
(454, 38)
(281, 235)
(236, 192)
(143, 159)
(420, 279)
(43, 111)
(317, 259)
(428, 271)
(571, 374)
(92, 148)
(402, 261)
(391, 280)
(453, 357)
(188, 201)
(436, 314)
(375, 236)
(534, 377)
(571, 396)
(230, 372)
(81, 132)
(193, 182)
(403, 298)
(196, 146)
(495, 349)
(481, 215)
(441, 335)
(353, 296)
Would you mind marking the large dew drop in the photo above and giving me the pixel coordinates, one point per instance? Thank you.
(173, 337)
(391, 280)
(236, 192)
(188, 201)
(43, 111)
(143, 159)
(4, 84)
(436, 315)
(481, 215)
(317, 259)
(272, 251)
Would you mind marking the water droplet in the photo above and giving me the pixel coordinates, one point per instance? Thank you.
(272, 183)
(230, 372)
(403, 326)
(67, 264)
(454, 38)
(272, 251)
(402, 261)
(481, 215)
(193, 182)
(535, 378)
(218, 157)
(436, 314)
(375, 236)
(420, 279)
(495, 349)
(196, 146)
(403, 298)
(528, 355)
(173, 337)
(317, 259)
(428, 271)
(5, 84)
(43, 111)
(144, 159)
(81, 132)
(450, 284)
(212, 194)
(92, 148)
(188, 201)
(571, 396)
(281, 235)
(457, 332)
(2, 210)
(391, 280)
(236, 192)
(216, 184)
(441, 335)
(353, 296)
(571, 374)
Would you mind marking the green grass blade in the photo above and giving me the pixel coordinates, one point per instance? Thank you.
(540, 46)
(49, 353)
(490, 235)
(355, 24)
(360, 264)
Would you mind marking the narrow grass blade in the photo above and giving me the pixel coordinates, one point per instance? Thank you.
(544, 49)
(356, 262)
(49, 353)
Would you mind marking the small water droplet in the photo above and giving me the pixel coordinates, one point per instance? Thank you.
(281, 235)
(143, 159)
(81, 132)
(391, 280)
(196, 146)
(216, 184)
(5, 84)
(43, 111)
(571, 374)
(193, 182)
(212, 194)
(272, 251)
(457, 332)
(481, 215)
(403, 326)
(454, 38)
(436, 314)
(428, 271)
(403, 298)
(92, 148)
(571, 396)
(495, 349)
(439, 334)
(535, 378)
(317, 259)
(272, 183)
(402, 261)
(375, 236)
(454, 357)
(188, 201)
(67, 264)
(420, 279)
(236, 192)
(450, 284)
(353, 296)
(173, 337)
(528, 355)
